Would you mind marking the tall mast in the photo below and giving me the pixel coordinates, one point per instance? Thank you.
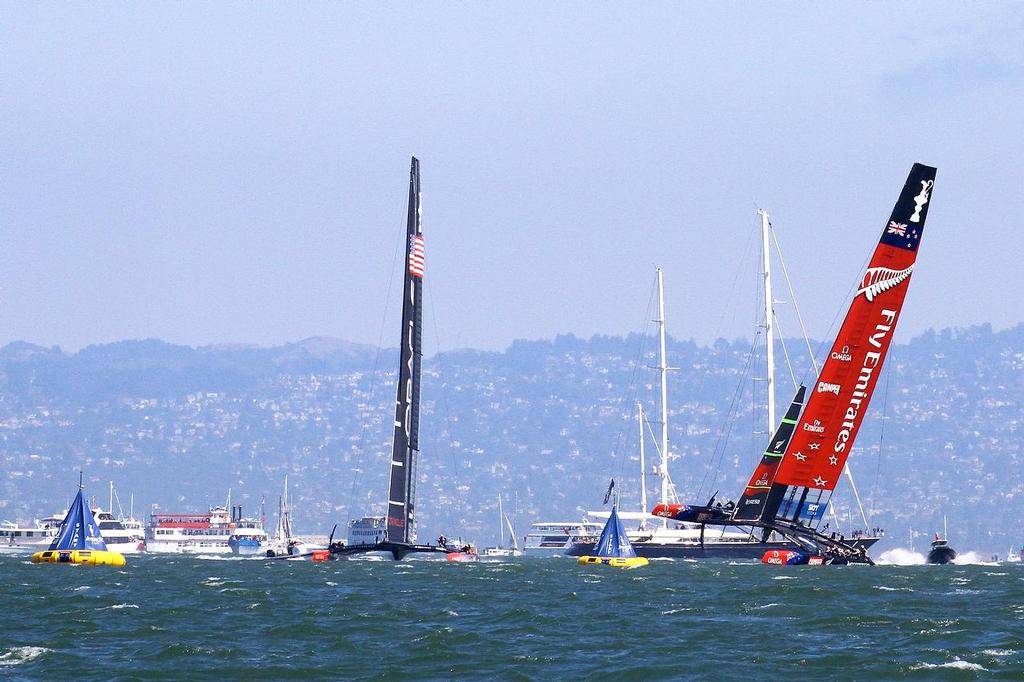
(110, 499)
(501, 524)
(643, 466)
(769, 340)
(663, 368)
(402, 488)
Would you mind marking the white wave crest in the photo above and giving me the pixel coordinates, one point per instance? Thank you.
(123, 606)
(901, 557)
(21, 654)
(957, 664)
(998, 652)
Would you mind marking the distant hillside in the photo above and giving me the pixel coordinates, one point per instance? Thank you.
(547, 421)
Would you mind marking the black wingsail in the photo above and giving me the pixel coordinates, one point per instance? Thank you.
(402, 491)
(762, 496)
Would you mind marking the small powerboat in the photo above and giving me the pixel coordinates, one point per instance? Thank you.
(941, 552)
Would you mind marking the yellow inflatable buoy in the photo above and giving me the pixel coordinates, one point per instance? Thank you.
(614, 561)
(613, 548)
(87, 557)
(78, 539)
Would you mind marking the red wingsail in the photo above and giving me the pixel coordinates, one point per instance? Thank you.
(826, 431)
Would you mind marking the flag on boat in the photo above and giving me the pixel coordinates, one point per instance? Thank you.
(416, 253)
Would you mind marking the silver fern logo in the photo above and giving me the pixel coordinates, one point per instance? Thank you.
(877, 280)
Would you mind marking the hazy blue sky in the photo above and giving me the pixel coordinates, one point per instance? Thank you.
(210, 173)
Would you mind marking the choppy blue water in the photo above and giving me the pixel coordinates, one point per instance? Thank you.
(193, 618)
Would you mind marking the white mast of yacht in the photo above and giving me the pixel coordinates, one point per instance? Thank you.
(501, 524)
(643, 467)
(663, 368)
(769, 313)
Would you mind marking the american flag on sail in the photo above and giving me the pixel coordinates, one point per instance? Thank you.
(416, 255)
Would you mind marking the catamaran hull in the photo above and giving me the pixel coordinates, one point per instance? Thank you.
(735, 551)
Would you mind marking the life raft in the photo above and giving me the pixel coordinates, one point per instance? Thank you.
(614, 561)
(85, 557)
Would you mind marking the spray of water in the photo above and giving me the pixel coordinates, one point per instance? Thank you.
(901, 557)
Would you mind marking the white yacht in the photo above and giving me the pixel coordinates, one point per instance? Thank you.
(512, 550)
(124, 535)
(283, 543)
(26, 539)
(120, 535)
(554, 538)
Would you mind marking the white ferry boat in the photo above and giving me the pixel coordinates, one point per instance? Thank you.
(203, 533)
(17, 539)
(554, 538)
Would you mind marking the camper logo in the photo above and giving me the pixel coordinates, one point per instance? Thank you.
(824, 387)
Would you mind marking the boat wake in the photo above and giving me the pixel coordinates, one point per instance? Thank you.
(21, 654)
(973, 559)
(901, 557)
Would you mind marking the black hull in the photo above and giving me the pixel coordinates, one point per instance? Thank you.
(398, 550)
(941, 555)
(738, 551)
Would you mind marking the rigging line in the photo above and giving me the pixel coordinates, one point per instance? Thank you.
(618, 453)
(881, 429)
(845, 305)
(360, 456)
(723, 437)
(444, 402)
(785, 352)
(796, 304)
(822, 344)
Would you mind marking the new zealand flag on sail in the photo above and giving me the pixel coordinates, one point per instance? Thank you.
(907, 220)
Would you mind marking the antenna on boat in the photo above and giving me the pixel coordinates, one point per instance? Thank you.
(80, 479)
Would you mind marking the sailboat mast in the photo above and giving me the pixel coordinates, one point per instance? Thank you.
(663, 368)
(501, 524)
(769, 339)
(643, 466)
(402, 488)
(110, 499)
